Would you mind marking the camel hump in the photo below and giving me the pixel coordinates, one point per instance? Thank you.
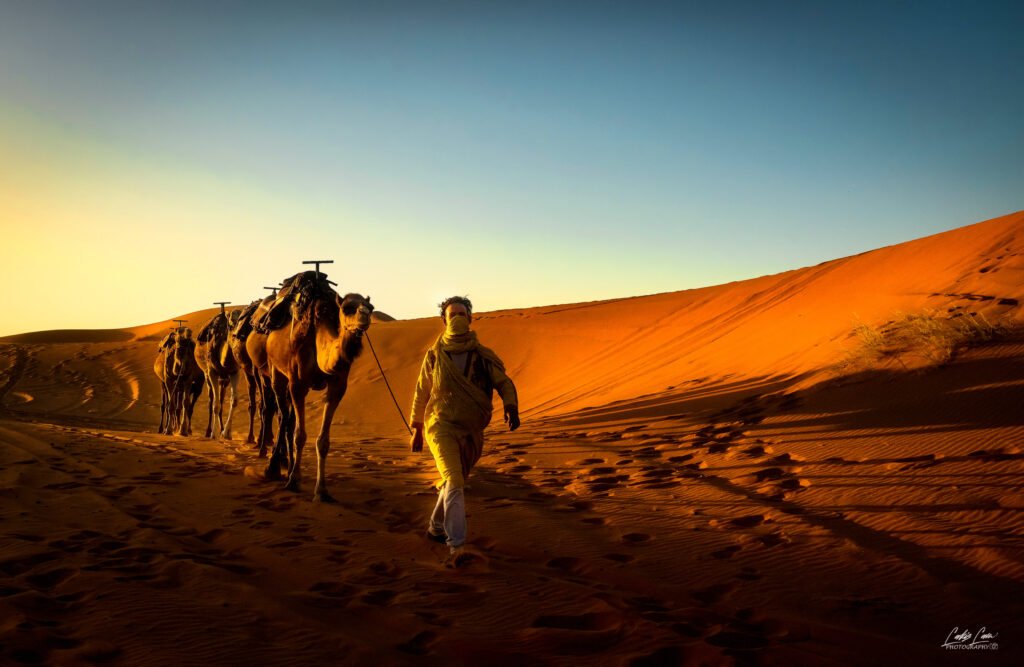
(215, 328)
(295, 301)
(243, 327)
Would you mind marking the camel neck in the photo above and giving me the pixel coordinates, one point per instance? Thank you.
(337, 352)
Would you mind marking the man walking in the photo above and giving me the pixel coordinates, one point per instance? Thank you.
(451, 408)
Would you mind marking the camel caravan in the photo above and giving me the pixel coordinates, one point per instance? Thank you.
(304, 336)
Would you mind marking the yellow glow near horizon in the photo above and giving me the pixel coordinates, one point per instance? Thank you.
(95, 238)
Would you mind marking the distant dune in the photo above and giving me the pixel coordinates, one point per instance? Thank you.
(71, 336)
(697, 481)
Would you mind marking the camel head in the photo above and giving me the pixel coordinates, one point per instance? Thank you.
(168, 342)
(183, 351)
(355, 312)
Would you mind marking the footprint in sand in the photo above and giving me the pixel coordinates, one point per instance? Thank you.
(738, 641)
(713, 594)
(749, 521)
(433, 618)
(431, 587)
(331, 594)
(749, 574)
(339, 556)
(774, 539)
(64, 486)
(594, 621)
(379, 598)
(50, 579)
(726, 553)
(768, 474)
(582, 505)
(419, 644)
(666, 655)
(620, 558)
(566, 564)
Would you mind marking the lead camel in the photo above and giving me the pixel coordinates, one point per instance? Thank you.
(315, 351)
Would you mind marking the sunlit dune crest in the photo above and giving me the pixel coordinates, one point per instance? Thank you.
(758, 472)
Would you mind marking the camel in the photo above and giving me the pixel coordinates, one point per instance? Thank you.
(214, 356)
(188, 381)
(163, 367)
(239, 333)
(315, 352)
(256, 349)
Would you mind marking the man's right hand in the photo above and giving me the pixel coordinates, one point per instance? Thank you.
(417, 438)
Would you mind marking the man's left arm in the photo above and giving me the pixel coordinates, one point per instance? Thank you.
(507, 390)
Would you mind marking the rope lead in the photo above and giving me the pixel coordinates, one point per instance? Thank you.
(387, 384)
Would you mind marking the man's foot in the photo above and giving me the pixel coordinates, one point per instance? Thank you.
(440, 538)
(460, 557)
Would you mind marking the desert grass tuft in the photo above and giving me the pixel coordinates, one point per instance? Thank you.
(927, 338)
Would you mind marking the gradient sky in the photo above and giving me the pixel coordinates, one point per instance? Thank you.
(156, 157)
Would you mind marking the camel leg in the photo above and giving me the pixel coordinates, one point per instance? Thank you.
(286, 425)
(172, 415)
(171, 425)
(278, 383)
(163, 407)
(298, 393)
(286, 431)
(172, 410)
(286, 434)
(250, 389)
(232, 383)
(219, 385)
(191, 396)
(174, 407)
(263, 396)
(290, 435)
(323, 442)
(268, 407)
(182, 410)
(209, 421)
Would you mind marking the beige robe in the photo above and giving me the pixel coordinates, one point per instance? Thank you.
(455, 409)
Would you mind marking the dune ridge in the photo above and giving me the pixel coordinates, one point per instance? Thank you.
(692, 484)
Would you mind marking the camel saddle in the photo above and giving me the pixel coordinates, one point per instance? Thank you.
(217, 327)
(294, 302)
(244, 326)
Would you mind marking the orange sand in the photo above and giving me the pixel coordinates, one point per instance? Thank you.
(691, 485)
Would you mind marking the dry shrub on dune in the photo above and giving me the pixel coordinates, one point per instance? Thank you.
(923, 339)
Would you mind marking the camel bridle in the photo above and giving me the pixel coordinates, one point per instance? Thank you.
(359, 330)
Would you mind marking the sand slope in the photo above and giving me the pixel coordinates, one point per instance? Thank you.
(690, 486)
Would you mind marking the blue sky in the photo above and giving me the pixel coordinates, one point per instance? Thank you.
(524, 153)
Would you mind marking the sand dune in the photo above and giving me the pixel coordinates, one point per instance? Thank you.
(693, 484)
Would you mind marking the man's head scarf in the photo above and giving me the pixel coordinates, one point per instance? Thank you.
(457, 336)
